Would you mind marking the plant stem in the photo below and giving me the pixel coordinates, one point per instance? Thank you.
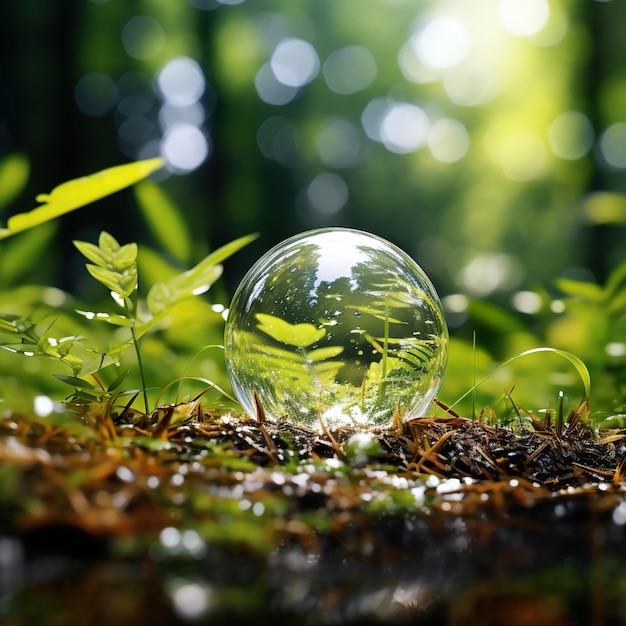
(129, 305)
(140, 365)
(383, 378)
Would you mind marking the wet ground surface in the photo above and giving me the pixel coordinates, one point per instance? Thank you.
(230, 521)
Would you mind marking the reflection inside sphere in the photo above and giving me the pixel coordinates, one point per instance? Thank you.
(336, 324)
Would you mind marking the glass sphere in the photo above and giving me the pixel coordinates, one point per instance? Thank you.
(336, 324)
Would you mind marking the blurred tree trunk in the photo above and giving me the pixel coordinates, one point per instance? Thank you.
(39, 47)
(608, 48)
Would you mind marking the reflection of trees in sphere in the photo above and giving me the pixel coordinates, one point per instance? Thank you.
(338, 323)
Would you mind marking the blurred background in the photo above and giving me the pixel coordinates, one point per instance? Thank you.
(485, 138)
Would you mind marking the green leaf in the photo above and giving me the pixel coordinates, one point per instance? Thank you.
(495, 317)
(110, 318)
(159, 299)
(7, 323)
(300, 335)
(14, 172)
(108, 244)
(107, 277)
(74, 381)
(118, 381)
(377, 313)
(79, 192)
(194, 281)
(20, 257)
(615, 280)
(125, 257)
(153, 267)
(589, 292)
(92, 252)
(221, 254)
(617, 303)
(164, 220)
(327, 352)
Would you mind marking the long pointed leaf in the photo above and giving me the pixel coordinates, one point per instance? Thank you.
(221, 254)
(164, 220)
(79, 192)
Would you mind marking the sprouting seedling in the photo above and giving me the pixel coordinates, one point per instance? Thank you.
(115, 266)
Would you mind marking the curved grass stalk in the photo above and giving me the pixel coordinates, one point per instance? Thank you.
(578, 364)
(210, 385)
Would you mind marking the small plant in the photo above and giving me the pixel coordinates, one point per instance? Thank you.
(115, 266)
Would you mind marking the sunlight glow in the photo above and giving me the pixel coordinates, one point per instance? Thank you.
(412, 67)
(372, 116)
(523, 18)
(522, 156)
(471, 83)
(443, 42)
(192, 114)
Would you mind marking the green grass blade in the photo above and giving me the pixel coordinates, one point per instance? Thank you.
(577, 363)
(164, 220)
(14, 172)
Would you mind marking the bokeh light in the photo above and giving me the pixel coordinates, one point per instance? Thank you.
(339, 143)
(350, 69)
(181, 82)
(613, 145)
(401, 126)
(294, 62)
(404, 128)
(571, 135)
(448, 141)
(184, 147)
(95, 94)
(278, 139)
(485, 273)
(523, 18)
(442, 42)
(471, 83)
(270, 89)
(143, 37)
(327, 193)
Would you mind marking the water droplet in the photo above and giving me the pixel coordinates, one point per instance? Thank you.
(279, 342)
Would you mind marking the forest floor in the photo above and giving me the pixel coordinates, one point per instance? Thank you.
(198, 517)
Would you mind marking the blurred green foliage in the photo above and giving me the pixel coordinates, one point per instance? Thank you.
(488, 144)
